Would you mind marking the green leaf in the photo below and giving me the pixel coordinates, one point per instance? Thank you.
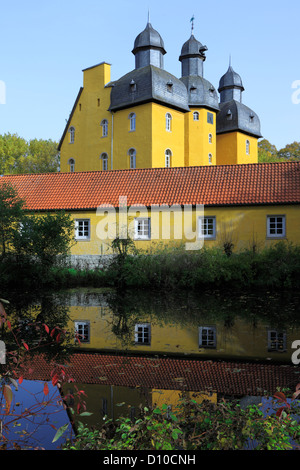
(60, 432)
(157, 411)
(86, 413)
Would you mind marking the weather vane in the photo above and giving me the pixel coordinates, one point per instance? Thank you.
(192, 22)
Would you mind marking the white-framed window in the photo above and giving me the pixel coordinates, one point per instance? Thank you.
(168, 122)
(82, 229)
(142, 333)
(210, 118)
(168, 156)
(71, 163)
(248, 147)
(207, 227)
(132, 121)
(104, 158)
(72, 135)
(104, 125)
(132, 158)
(210, 138)
(82, 331)
(207, 337)
(276, 340)
(276, 226)
(196, 116)
(142, 228)
(210, 158)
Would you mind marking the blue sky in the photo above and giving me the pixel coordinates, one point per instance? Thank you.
(46, 45)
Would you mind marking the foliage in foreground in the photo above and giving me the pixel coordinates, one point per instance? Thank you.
(204, 426)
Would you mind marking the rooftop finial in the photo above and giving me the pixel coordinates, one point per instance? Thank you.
(192, 22)
(148, 15)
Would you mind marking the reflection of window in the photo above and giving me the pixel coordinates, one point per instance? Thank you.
(132, 158)
(168, 122)
(104, 158)
(104, 125)
(276, 226)
(207, 227)
(142, 333)
(82, 229)
(196, 116)
(72, 135)
(132, 120)
(276, 340)
(82, 329)
(168, 155)
(142, 228)
(71, 163)
(207, 337)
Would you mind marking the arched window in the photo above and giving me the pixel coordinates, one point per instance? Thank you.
(72, 135)
(104, 158)
(196, 116)
(168, 155)
(132, 121)
(71, 163)
(210, 158)
(210, 138)
(168, 122)
(132, 158)
(104, 125)
(247, 147)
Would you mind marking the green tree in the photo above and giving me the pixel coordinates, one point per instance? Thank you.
(290, 152)
(11, 212)
(19, 156)
(267, 152)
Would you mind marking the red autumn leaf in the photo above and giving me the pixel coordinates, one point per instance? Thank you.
(280, 396)
(53, 331)
(46, 328)
(25, 346)
(78, 407)
(8, 324)
(58, 338)
(279, 411)
(20, 379)
(54, 380)
(46, 389)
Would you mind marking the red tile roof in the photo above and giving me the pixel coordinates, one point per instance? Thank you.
(266, 183)
(235, 378)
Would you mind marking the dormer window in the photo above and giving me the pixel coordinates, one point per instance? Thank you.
(72, 135)
(251, 117)
(211, 91)
(170, 86)
(229, 115)
(132, 86)
(193, 89)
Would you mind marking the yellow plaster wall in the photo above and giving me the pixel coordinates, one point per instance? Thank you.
(244, 227)
(231, 149)
(197, 138)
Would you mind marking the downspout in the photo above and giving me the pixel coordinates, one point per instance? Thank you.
(112, 141)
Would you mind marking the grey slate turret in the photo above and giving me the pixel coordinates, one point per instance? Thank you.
(149, 48)
(234, 115)
(201, 93)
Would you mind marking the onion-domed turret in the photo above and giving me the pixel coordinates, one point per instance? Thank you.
(149, 48)
(192, 57)
(231, 86)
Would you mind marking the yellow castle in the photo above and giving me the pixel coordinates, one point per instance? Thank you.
(151, 119)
